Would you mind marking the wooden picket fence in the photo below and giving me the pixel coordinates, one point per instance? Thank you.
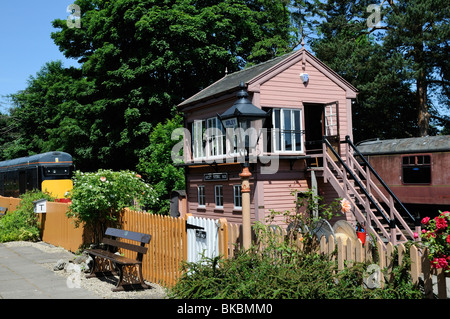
(168, 248)
(352, 251)
(346, 252)
(9, 202)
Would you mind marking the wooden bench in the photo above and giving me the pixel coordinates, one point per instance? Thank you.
(3, 211)
(107, 261)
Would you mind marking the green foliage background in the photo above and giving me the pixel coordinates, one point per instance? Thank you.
(22, 224)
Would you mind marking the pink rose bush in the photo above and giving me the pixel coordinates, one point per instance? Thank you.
(436, 237)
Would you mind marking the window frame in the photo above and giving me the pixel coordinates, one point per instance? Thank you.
(417, 165)
(216, 144)
(198, 150)
(208, 144)
(201, 195)
(237, 196)
(279, 134)
(218, 196)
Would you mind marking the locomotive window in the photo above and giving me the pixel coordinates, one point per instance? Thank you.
(416, 169)
(56, 170)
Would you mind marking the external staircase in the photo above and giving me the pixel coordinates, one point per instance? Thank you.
(373, 204)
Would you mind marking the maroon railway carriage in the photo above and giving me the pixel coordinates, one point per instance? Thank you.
(416, 169)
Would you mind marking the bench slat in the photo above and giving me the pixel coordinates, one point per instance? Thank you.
(112, 256)
(116, 243)
(128, 234)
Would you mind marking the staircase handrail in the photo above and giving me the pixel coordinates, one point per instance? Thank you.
(386, 187)
(378, 208)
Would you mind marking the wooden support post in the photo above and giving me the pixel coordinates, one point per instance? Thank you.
(246, 223)
(381, 261)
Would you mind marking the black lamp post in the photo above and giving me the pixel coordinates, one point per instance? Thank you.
(241, 115)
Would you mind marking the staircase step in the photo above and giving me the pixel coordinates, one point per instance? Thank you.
(355, 192)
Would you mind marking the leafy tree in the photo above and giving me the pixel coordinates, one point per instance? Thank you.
(418, 32)
(50, 115)
(305, 18)
(384, 92)
(398, 66)
(157, 165)
(7, 134)
(143, 57)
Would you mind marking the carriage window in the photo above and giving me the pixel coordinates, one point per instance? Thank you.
(416, 169)
(56, 170)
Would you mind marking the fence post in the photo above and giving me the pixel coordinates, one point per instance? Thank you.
(185, 252)
(401, 252)
(341, 254)
(442, 289)
(389, 259)
(359, 251)
(323, 245)
(350, 252)
(331, 247)
(223, 237)
(381, 261)
(426, 270)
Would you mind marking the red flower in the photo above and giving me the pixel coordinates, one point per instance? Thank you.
(441, 223)
(448, 239)
(440, 263)
(425, 220)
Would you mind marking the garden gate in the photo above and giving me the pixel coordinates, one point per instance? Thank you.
(202, 238)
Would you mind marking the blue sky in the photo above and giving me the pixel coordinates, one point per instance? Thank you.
(25, 42)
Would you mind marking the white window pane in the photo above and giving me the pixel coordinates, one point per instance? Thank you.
(287, 122)
(276, 130)
(201, 195)
(237, 196)
(218, 190)
(286, 130)
(297, 128)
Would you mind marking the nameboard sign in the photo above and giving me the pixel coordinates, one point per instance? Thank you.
(230, 123)
(40, 206)
(210, 177)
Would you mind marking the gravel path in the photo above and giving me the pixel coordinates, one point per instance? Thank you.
(100, 286)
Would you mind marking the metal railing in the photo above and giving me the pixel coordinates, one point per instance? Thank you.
(393, 219)
(416, 221)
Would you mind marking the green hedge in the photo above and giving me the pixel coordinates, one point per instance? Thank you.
(22, 223)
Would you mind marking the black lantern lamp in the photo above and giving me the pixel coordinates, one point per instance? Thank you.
(241, 115)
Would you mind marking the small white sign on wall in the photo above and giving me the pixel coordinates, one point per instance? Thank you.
(40, 206)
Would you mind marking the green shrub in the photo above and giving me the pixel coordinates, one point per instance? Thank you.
(276, 268)
(99, 198)
(22, 224)
(251, 275)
